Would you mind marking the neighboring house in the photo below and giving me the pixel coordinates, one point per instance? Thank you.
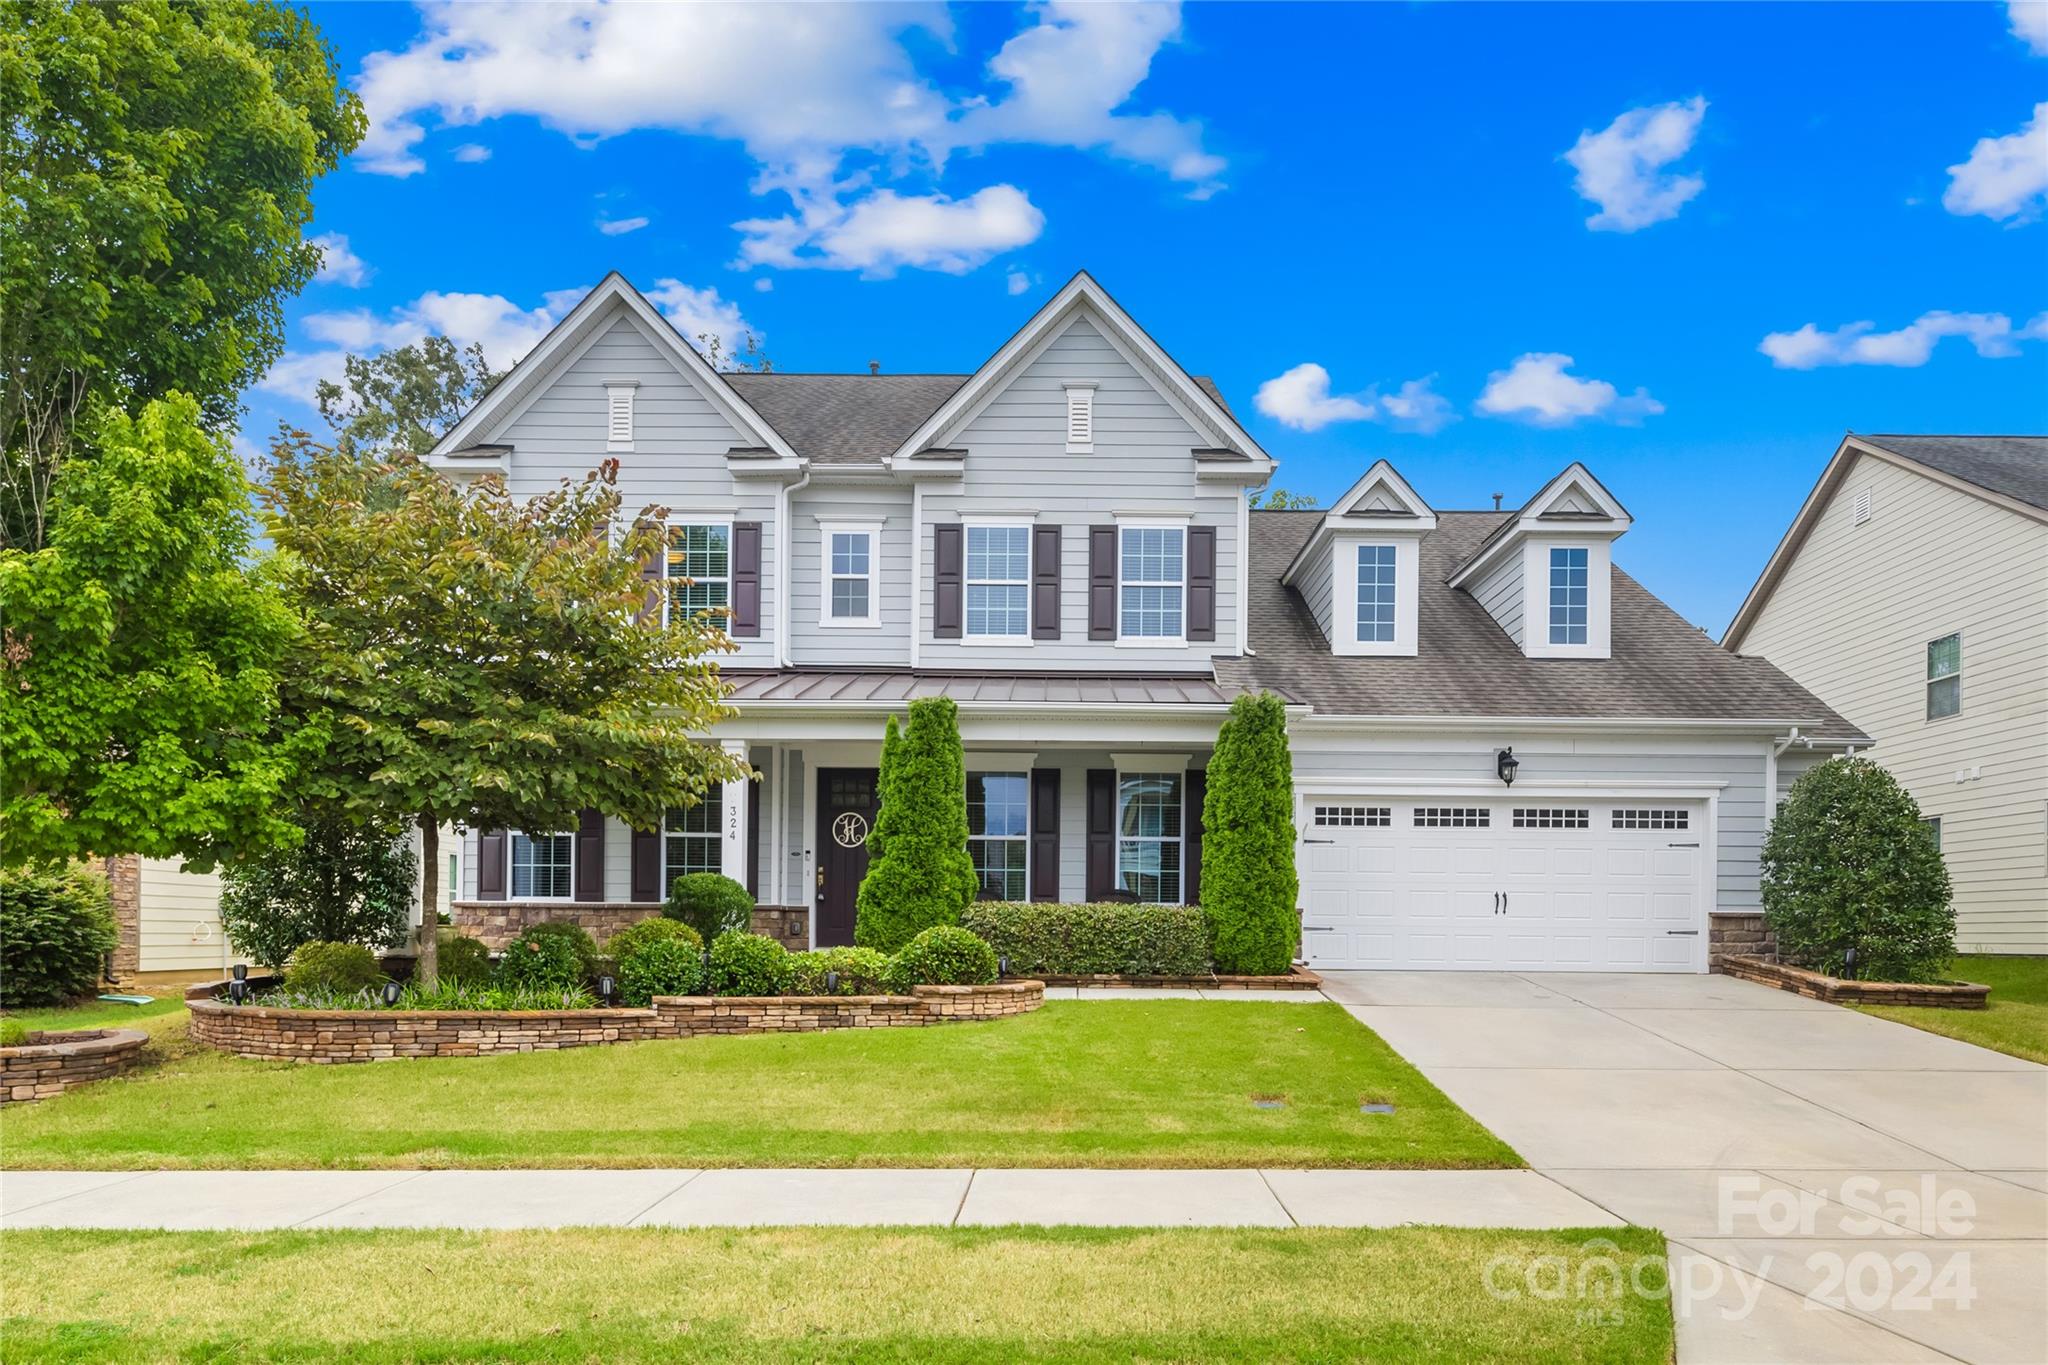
(1061, 541)
(1912, 592)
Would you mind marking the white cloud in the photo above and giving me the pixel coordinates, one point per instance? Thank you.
(885, 232)
(1992, 335)
(1301, 399)
(2030, 24)
(1415, 406)
(338, 264)
(471, 152)
(617, 227)
(2005, 177)
(1016, 282)
(504, 330)
(764, 285)
(1536, 389)
(1621, 167)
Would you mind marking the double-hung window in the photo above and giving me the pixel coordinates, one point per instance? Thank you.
(691, 841)
(1148, 848)
(1568, 597)
(1152, 564)
(700, 571)
(850, 593)
(999, 581)
(543, 867)
(998, 832)
(1375, 594)
(1944, 676)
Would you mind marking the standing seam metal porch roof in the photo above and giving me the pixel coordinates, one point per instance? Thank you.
(837, 687)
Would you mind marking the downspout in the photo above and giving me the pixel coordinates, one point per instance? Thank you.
(782, 539)
(917, 576)
(1771, 752)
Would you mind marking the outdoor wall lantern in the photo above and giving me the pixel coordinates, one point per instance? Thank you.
(391, 990)
(1504, 764)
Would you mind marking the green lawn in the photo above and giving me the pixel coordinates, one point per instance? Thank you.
(100, 1014)
(2016, 1022)
(803, 1294)
(1080, 1083)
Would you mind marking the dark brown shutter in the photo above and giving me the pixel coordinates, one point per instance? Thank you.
(1045, 585)
(1101, 833)
(746, 579)
(1102, 582)
(1201, 582)
(646, 879)
(1196, 789)
(1045, 834)
(652, 572)
(490, 865)
(589, 856)
(753, 876)
(947, 593)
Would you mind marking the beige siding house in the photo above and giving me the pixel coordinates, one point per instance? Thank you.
(1911, 594)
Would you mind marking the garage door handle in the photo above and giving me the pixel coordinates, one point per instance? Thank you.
(1319, 841)
(1683, 933)
(1317, 928)
(1691, 845)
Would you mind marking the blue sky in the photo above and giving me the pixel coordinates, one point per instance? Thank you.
(1432, 203)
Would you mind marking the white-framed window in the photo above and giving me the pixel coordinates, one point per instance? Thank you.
(850, 555)
(1148, 844)
(1152, 588)
(691, 840)
(1652, 818)
(1376, 583)
(1357, 817)
(1547, 817)
(1933, 823)
(999, 582)
(699, 570)
(1568, 594)
(999, 833)
(1453, 817)
(618, 403)
(543, 867)
(454, 883)
(1944, 676)
(1080, 418)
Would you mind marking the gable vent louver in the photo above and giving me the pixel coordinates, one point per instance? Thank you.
(1080, 416)
(1862, 506)
(619, 415)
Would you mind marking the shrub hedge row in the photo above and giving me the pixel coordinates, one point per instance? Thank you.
(1085, 940)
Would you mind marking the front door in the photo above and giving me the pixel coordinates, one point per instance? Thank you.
(847, 806)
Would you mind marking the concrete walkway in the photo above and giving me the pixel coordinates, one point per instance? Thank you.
(253, 1200)
(1836, 1187)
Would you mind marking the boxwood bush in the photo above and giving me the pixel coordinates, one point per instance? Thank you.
(636, 936)
(577, 937)
(1848, 864)
(1082, 940)
(862, 971)
(656, 965)
(943, 955)
(462, 958)
(541, 959)
(332, 969)
(56, 929)
(749, 964)
(709, 903)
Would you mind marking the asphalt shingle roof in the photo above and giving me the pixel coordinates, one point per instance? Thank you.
(1662, 668)
(2016, 466)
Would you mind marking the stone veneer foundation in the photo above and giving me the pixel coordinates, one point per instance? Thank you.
(497, 923)
(1948, 995)
(330, 1036)
(1740, 934)
(52, 1063)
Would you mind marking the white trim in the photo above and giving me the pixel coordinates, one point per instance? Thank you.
(1529, 522)
(1014, 759)
(732, 852)
(917, 575)
(1080, 396)
(872, 530)
(1244, 572)
(968, 526)
(1536, 643)
(514, 834)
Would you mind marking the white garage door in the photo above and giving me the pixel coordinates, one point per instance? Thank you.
(1552, 885)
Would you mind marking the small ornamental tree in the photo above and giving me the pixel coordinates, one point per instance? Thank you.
(922, 875)
(1248, 878)
(1847, 864)
(344, 883)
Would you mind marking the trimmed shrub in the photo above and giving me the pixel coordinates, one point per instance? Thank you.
(577, 937)
(919, 874)
(658, 929)
(709, 903)
(862, 971)
(1249, 887)
(342, 883)
(461, 958)
(332, 969)
(56, 929)
(1848, 864)
(749, 964)
(541, 960)
(661, 966)
(1081, 940)
(943, 955)
(13, 1033)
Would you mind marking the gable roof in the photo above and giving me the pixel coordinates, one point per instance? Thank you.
(1573, 495)
(2011, 471)
(1662, 668)
(846, 418)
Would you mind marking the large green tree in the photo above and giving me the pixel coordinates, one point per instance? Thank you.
(160, 159)
(400, 402)
(139, 658)
(921, 875)
(485, 659)
(1248, 877)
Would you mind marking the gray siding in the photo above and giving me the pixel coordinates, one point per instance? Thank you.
(883, 646)
(1500, 592)
(1017, 464)
(1317, 587)
(678, 455)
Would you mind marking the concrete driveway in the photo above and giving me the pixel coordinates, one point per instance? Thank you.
(1835, 1187)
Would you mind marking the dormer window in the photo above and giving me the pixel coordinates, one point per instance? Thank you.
(1376, 587)
(618, 395)
(1568, 604)
(1359, 572)
(1080, 418)
(1545, 573)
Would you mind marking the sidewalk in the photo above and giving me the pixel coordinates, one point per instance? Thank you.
(253, 1200)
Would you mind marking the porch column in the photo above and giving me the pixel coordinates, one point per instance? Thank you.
(732, 853)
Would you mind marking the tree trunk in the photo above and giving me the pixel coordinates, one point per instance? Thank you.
(426, 968)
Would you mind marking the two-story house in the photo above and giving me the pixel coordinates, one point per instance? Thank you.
(1912, 592)
(1507, 753)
